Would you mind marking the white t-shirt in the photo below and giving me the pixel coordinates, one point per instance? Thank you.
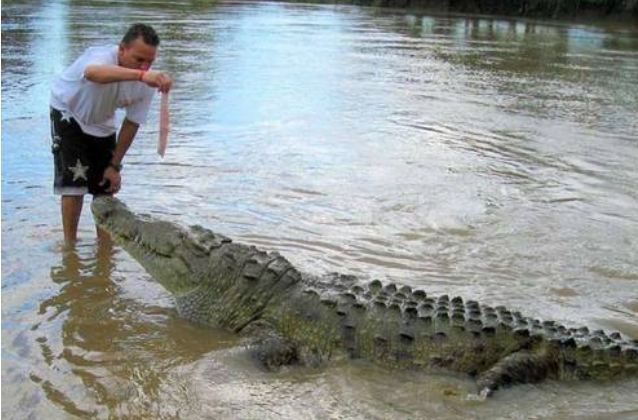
(92, 104)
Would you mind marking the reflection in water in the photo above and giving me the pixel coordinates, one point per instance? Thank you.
(114, 353)
(86, 293)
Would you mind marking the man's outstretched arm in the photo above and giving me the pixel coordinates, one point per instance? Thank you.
(109, 73)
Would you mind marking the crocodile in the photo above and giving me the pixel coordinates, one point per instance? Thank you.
(307, 319)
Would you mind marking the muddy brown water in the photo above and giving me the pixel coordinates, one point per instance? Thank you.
(491, 158)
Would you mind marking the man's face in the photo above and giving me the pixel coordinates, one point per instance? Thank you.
(136, 55)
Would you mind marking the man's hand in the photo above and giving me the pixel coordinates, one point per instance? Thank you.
(114, 179)
(158, 79)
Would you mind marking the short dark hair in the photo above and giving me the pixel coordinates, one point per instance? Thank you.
(137, 30)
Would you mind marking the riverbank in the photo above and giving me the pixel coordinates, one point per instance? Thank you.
(625, 10)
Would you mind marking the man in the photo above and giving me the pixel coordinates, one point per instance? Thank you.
(84, 98)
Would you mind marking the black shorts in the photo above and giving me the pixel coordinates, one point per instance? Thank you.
(79, 158)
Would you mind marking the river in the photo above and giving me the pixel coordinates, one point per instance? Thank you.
(486, 157)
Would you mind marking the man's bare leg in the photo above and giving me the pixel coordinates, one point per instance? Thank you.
(71, 209)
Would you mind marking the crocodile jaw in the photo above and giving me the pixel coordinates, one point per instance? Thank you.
(162, 248)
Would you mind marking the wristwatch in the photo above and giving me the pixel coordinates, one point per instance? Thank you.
(116, 166)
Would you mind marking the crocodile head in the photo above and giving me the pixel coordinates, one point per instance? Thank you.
(177, 258)
(214, 281)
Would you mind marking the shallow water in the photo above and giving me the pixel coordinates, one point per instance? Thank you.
(490, 158)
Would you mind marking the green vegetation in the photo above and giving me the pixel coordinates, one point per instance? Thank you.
(621, 9)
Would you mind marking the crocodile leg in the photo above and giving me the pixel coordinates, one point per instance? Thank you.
(268, 346)
(520, 367)
(274, 352)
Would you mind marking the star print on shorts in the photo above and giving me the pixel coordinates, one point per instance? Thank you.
(79, 158)
(79, 171)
